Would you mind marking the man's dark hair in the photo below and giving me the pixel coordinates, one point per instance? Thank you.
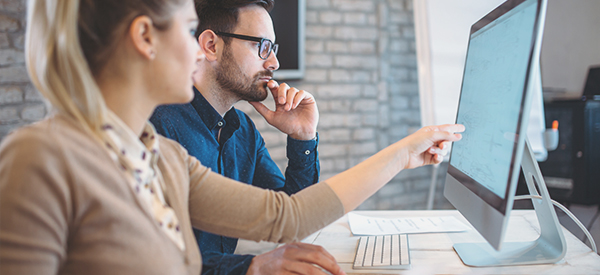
(222, 15)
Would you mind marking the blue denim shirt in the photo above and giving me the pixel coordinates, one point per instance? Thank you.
(240, 154)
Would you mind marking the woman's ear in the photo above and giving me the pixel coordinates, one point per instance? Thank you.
(209, 44)
(143, 36)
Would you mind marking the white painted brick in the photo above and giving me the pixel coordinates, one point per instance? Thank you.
(335, 135)
(408, 32)
(19, 40)
(355, 18)
(331, 120)
(341, 165)
(316, 31)
(382, 92)
(8, 114)
(339, 91)
(362, 47)
(4, 42)
(318, 60)
(315, 46)
(356, 62)
(373, 19)
(392, 190)
(330, 17)
(366, 105)
(400, 102)
(370, 91)
(401, 18)
(361, 76)
(33, 112)
(278, 153)
(399, 46)
(11, 94)
(384, 116)
(312, 17)
(361, 149)
(10, 57)
(317, 4)
(370, 120)
(339, 76)
(337, 47)
(354, 5)
(8, 24)
(274, 138)
(13, 6)
(13, 74)
(327, 165)
(332, 150)
(399, 73)
(397, 5)
(363, 134)
(382, 14)
(356, 33)
(315, 75)
(339, 105)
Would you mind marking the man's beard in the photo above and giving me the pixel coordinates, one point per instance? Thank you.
(231, 78)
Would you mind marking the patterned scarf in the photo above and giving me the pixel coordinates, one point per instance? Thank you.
(137, 157)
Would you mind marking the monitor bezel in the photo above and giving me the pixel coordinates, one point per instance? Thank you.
(498, 203)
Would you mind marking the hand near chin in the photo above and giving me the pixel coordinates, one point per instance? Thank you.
(430, 144)
(295, 114)
(295, 258)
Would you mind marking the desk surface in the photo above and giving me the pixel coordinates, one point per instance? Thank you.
(433, 253)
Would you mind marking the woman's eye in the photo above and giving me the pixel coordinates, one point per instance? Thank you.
(193, 32)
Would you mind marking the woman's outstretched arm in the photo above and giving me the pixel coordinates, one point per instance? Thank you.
(426, 146)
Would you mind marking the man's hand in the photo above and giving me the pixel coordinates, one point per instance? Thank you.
(295, 258)
(295, 114)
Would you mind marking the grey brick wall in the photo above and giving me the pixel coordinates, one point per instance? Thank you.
(20, 103)
(360, 65)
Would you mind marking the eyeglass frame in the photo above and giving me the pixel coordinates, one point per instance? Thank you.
(274, 47)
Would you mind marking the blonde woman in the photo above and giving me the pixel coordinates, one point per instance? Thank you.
(92, 189)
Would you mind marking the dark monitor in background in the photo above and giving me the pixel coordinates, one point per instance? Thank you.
(289, 22)
(592, 84)
(501, 72)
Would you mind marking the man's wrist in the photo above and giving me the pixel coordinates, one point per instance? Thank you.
(307, 137)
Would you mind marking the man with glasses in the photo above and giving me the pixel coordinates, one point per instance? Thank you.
(237, 38)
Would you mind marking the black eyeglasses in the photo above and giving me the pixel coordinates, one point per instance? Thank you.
(265, 48)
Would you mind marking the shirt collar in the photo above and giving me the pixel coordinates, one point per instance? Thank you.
(210, 116)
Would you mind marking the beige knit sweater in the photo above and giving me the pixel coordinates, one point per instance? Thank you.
(65, 208)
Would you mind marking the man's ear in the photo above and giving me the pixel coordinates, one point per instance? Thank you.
(143, 36)
(208, 42)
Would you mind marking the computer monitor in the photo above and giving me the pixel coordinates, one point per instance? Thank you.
(501, 71)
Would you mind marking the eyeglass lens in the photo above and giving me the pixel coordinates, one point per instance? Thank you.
(266, 47)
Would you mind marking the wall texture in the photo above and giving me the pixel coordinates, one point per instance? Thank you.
(360, 65)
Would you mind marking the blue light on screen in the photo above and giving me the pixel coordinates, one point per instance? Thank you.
(491, 97)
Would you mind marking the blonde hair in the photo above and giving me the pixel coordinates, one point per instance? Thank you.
(68, 42)
(56, 63)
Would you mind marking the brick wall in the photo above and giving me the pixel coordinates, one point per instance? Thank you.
(360, 65)
(20, 103)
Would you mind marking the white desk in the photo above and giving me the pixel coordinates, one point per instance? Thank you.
(433, 253)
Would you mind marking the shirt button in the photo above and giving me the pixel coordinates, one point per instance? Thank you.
(220, 123)
(307, 152)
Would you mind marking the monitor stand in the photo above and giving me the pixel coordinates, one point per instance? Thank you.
(550, 247)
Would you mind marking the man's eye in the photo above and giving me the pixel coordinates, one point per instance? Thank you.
(193, 32)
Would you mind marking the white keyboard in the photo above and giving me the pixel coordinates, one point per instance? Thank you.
(382, 252)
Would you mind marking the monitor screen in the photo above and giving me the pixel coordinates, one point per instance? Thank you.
(490, 104)
(494, 106)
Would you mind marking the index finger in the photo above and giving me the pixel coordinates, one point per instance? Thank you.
(451, 128)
